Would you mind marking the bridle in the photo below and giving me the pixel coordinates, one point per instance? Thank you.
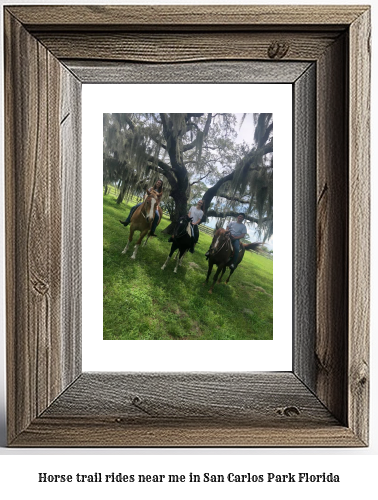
(227, 240)
(187, 221)
(144, 206)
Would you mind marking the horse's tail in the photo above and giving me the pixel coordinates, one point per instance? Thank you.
(252, 246)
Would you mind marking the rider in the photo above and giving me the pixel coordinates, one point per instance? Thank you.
(158, 187)
(237, 231)
(196, 213)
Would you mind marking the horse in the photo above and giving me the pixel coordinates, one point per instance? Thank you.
(182, 240)
(220, 254)
(143, 218)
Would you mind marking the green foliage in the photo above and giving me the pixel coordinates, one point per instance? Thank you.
(142, 302)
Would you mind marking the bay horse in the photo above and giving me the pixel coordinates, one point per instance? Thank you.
(182, 240)
(220, 254)
(143, 218)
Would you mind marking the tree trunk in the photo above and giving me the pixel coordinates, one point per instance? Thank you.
(181, 207)
(122, 192)
(106, 189)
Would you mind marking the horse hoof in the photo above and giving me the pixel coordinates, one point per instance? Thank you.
(133, 257)
(162, 268)
(124, 251)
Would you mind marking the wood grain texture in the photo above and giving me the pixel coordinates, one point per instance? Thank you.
(33, 227)
(100, 432)
(359, 226)
(332, 230)
(228, 409)
(139, 17)
(201, 72)
(323, 402)
(191, 396)
(70, 161)
(185, 47)
(304, 227)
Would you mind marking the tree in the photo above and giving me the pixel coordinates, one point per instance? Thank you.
(196, 152)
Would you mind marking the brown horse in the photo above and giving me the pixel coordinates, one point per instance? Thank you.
(220, 254)
(143, 218)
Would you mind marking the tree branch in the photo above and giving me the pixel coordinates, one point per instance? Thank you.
(166, 169)
(223, 215)
(200, 179)
(193, 144)
(130, 123)
(228, 197)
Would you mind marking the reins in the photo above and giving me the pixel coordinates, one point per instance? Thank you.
(227, 240)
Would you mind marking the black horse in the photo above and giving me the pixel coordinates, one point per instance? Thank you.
(182, 240)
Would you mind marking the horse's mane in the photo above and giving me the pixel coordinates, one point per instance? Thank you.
(220, 231)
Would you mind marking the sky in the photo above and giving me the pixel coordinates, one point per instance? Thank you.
(245, 133)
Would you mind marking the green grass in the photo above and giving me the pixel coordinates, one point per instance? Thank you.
(142, 302)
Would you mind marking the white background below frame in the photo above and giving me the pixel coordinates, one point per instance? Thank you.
(196, 355)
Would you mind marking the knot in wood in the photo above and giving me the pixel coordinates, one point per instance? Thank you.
(278, 50)
(363, 381)
(288, 411)
(136, 400)
(41, 287)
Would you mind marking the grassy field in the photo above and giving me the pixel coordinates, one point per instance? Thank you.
(142, 302)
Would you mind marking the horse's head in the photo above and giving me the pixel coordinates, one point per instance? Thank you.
(221, 237)
(150, 203)
(150, 207)
(181, 226)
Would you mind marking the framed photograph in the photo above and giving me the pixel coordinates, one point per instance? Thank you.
(323, 52)
(147, 295)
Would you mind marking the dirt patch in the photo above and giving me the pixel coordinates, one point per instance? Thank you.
(193, 265)
(260, 289)
(179, 312)
(257, 288)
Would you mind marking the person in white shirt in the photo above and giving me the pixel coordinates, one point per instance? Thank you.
(196, 213)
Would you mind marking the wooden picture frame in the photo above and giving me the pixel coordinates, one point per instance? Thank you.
(324, 52)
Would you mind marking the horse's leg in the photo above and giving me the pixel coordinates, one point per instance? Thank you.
(229, 276)
(182, 258)
(145, 242)
(221, 276)
(233, 270)
(142, 235)
(215, 278)
(173, 248)
(209, 272)
(130, 239)
(182, 253)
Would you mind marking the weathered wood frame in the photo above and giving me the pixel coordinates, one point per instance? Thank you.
(49, 53)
